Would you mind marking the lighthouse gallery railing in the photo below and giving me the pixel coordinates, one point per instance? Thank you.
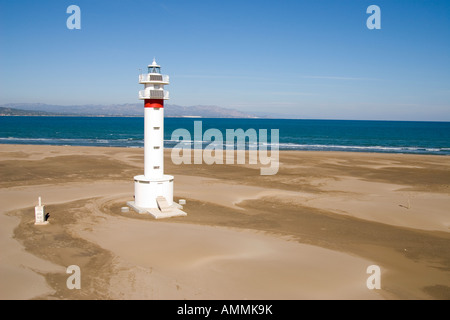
(153, 78)
(153, 94)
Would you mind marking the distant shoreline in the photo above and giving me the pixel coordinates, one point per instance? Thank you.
(200, 117)
(282, 151)
(129, 116)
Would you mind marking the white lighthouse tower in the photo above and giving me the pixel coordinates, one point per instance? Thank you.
(153, 191)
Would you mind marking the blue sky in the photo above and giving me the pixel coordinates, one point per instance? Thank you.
(314, 59)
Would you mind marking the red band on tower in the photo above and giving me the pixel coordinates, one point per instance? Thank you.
(154, 103)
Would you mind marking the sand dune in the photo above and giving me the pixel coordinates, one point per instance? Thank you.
(231, 264)
(308, 232)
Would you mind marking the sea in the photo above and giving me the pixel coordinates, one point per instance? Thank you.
(410, 137)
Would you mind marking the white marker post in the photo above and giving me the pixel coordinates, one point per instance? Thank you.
(39, 214)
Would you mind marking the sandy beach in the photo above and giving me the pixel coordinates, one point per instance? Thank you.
(308, 232)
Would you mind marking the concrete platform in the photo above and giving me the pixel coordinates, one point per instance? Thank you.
(41, 223)
(169, 211)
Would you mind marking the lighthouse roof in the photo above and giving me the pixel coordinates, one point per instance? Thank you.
(154, 64)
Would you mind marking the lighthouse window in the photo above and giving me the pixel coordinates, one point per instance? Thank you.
(156, 147)
(156, 167)
(156, 128)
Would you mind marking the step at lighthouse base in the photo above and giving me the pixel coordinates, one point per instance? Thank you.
(169, 212)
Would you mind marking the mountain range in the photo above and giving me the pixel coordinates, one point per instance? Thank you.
(123, 110)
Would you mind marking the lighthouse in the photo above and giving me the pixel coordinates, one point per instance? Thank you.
(153, 191)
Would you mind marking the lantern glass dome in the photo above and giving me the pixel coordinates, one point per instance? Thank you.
(153, 69)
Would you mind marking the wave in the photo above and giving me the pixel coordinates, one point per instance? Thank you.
(395, 149)
(74, 142)
(139, 143)
(295, 145)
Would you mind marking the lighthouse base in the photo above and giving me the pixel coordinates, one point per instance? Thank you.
(155, 197)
